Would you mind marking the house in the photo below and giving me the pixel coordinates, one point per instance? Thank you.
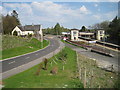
(86, 34)
(35, 30)
(76, 35)
(100, 34)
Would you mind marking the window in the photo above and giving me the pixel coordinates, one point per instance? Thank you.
(101, 32)
(74, 33)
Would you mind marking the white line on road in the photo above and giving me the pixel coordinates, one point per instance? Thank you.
(11, 62)
(27, 57)
(36, 54)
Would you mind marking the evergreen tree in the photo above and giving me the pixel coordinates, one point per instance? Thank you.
(114, 30)
(57, 29)
(83, 29)
(14, 14)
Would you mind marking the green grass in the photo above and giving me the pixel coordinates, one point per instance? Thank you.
(101, 78)
(66, 78)
(9, 41)
(20, 46)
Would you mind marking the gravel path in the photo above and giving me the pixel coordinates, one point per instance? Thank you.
(102, 59)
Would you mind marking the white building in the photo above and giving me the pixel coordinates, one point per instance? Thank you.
(100, 34)
(86, 34)
(28, 29)
(74, 34)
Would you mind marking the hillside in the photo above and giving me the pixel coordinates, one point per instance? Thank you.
(13, 42)
(14, 46)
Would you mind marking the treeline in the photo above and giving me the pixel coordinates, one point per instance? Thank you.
(9, 22)
(56, 30)
(112, 30)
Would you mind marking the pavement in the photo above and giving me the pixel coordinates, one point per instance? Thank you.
(98, 57)
(18, 64)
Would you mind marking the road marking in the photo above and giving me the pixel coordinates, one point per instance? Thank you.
(36, 54)
(27, 57)
(11, 62)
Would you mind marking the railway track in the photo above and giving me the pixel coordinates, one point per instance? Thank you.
(93, 48)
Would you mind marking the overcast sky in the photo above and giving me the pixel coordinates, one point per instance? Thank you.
(68, 14)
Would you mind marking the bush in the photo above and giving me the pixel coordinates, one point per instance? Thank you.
(15, 33)
(45, 63)
(54, 70)
(39, 69)
(29, 35)
(63, 55)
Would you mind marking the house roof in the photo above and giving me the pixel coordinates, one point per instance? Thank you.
(21, 27)
(29, 27)
(74, 29)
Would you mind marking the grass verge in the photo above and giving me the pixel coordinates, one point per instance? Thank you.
(65, 78)
(30, 46)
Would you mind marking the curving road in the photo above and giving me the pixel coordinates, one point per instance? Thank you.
(21, 60)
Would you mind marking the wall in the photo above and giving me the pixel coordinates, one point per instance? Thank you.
(74, 37)
(100, 34)
(19, 32)
(27, 32)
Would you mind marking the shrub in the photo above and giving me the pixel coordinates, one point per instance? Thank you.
(45, 63)
(15, 33)
(29, 35)
(54, 70)
(39, 69)
(63, 55)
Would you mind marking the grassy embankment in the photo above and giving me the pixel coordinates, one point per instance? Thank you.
(65, 77)
(14, 46)
(95, 76)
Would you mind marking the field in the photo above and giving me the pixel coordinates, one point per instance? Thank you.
(65, 75)
(14, 46)
(95, 77)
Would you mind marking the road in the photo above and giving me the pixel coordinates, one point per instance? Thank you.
(18, 61)
(96, 56)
